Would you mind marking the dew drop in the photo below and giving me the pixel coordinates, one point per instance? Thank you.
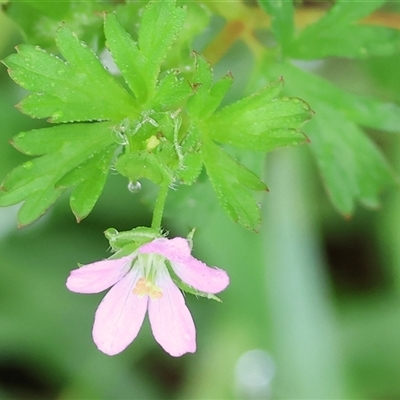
(134, 187)
(28, 165)
(296, 100)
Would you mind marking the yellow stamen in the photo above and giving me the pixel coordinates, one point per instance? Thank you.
(151, 143)
(144, 287)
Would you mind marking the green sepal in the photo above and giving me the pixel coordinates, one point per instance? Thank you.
(233, 184)
(143, 164)
(261, 122)
(189, 289)
(138, 236)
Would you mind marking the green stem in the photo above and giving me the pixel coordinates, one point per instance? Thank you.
(159, 207)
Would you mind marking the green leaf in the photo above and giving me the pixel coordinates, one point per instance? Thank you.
(90, 178)
(172, 91)
(351, 165)
(77, 90)
(130, 60)
(233, 183)
(282, 24)
(365, 111)
(197, 20)
(261, 122)
(161, 22)
(346, 12)
(40, 20)
(191, 163)
(208, 95)
(64, 149)
(330, 35)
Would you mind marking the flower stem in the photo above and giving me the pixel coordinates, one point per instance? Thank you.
(159, 207)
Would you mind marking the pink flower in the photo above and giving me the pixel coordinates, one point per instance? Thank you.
(141, 282)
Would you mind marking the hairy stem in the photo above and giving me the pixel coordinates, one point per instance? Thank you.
(159, 207)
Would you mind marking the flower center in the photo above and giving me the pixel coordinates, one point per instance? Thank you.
(144, 287)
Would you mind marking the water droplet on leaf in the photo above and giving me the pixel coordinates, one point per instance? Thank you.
(134, 187)
(28, 165)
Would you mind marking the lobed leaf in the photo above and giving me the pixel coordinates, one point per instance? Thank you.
(364, 110)
(160, 24)
(208, 95)
(191, 163)
(79, 89)
(261, 122)
(172, 91)
(351, 165)
(366, 41)
(233, 184)
(89, 179)
(282, 24)
(40, 20)
(329, 34)
(36, 182)
(127, 56)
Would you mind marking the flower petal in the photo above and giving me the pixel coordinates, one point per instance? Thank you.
(170, 319)
(192, 271)
(98, 276)
(119, 316)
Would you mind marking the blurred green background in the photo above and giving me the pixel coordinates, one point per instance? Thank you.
(312, 312)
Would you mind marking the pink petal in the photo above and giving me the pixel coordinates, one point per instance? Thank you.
(192, 271)
(170, 319)
(98, 276)
(119, 316)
